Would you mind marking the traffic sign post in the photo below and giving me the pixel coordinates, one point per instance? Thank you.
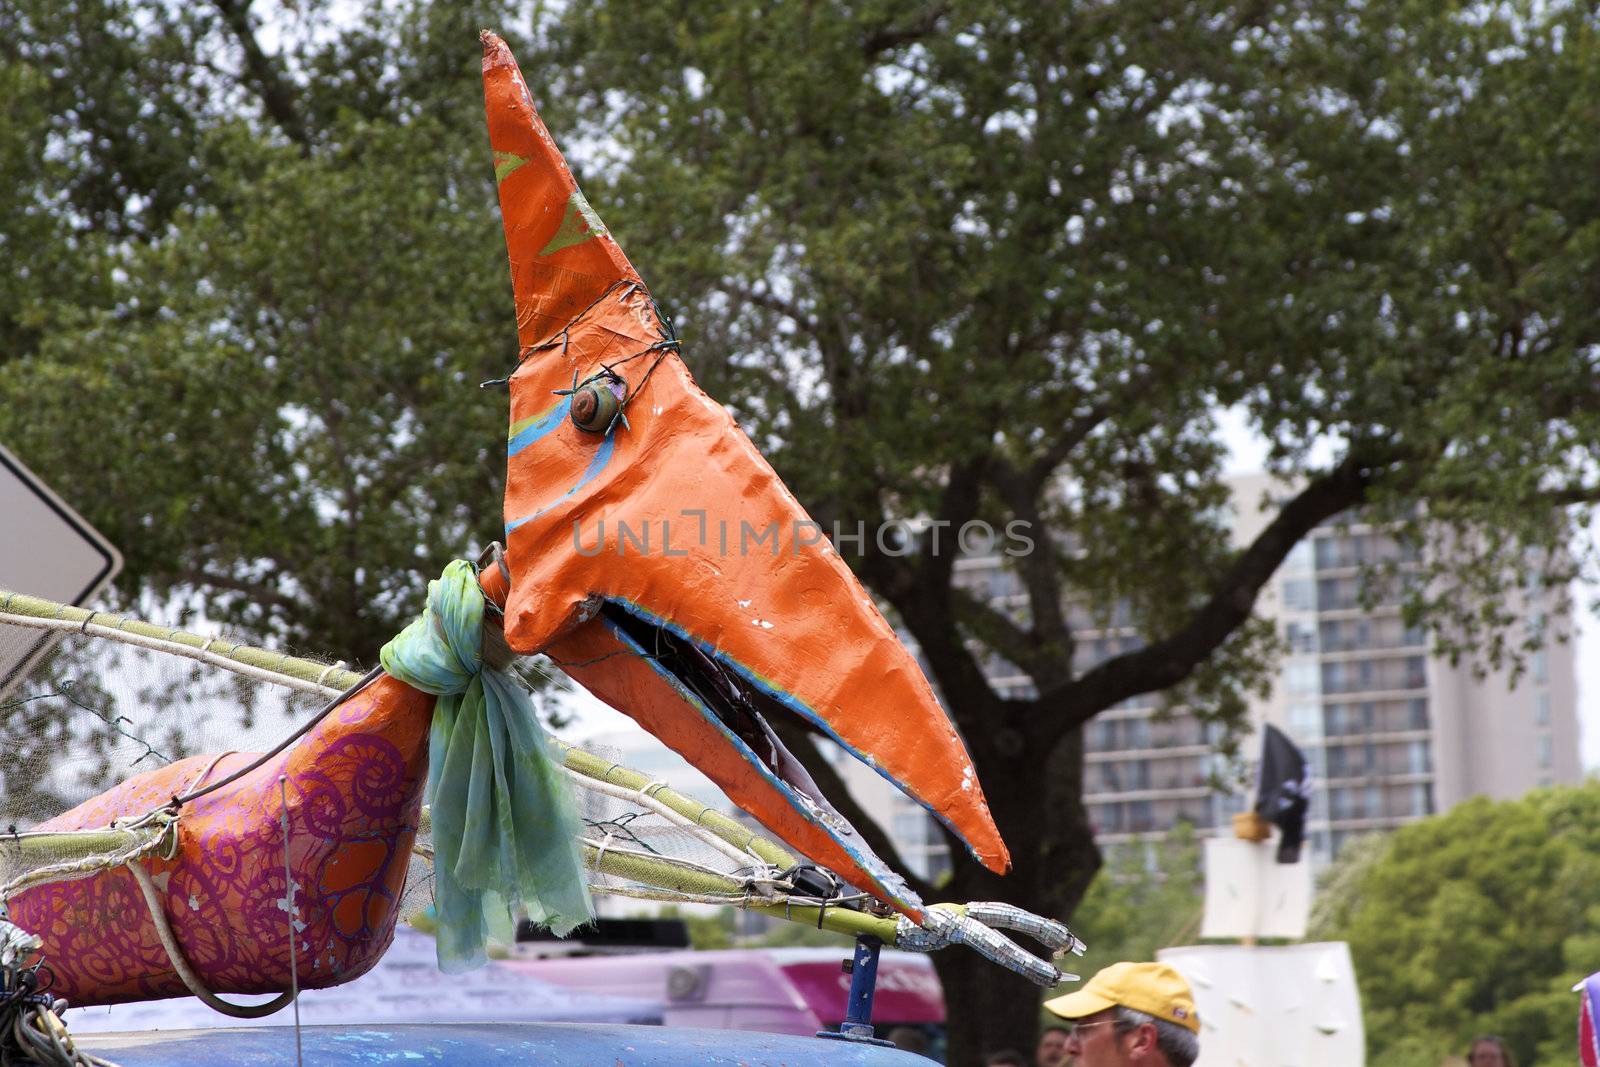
(46, 550)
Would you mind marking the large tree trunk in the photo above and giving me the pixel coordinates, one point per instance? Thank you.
(1037, 800)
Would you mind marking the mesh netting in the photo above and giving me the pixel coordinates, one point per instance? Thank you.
(93, 711)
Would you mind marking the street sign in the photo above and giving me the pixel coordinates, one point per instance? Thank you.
(46, 550)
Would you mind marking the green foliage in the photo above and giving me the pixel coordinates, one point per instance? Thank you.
(707, 929)
(719, 929)
(786, 934)
(1147, 897)
(1476, 921)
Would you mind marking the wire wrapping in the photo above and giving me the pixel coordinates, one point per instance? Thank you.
(30, 1018)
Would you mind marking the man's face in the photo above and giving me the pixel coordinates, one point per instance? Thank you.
(1097, 1041)
(1486, 1054)
(1052, 1051)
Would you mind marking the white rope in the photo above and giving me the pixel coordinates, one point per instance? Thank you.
(180, 962)
(336, 665)
(175, 648)
(673, 896)
(142, 845)
(600, 853)
(198, 781)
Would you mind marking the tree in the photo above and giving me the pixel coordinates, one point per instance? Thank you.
(1144, 900)
(1476, 921)
(947, 260)
(1004, 261)
(263, 306)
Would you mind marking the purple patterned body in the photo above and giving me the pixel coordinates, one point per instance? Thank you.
(354, 787)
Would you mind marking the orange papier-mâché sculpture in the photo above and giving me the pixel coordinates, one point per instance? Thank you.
(630, 505)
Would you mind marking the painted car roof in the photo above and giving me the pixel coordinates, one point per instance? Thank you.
(488, 1045)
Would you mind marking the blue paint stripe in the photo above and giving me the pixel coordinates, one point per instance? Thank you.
(794, 704)
(888, 881)
(602, 456)
(541, 425)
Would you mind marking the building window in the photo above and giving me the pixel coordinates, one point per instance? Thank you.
(1300, 637)
(1105, 736)
(1541, 709)
(1422, 798)
(1541, 667)
(1546, 751)
(1305, 721)
(1137, 732)
(1419, 713)
(1299, 594)
(1301, 677)
(1333, 720)
(1139, 774)
(1327, 553)
(1339, 801)
(1418, 758)
(910, 827)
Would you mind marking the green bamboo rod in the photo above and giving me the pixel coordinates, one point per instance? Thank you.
(298, 668)
(735, 833)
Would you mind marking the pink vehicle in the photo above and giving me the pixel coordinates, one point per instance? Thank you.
(787, 991)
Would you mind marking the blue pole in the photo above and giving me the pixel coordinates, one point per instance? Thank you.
(857, 1025)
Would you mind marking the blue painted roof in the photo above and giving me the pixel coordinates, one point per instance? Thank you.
(488, 1045)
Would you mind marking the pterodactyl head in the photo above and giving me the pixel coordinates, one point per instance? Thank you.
(658, 559)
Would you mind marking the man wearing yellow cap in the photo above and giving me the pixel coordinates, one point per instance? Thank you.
(1139, 1014)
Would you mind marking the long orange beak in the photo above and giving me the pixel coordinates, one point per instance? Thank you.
(657, 557)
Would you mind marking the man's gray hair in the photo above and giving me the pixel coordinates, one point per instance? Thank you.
(1180, 1045)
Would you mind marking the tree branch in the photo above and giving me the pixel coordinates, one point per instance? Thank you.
(199, 576)
(1169, 661)
(277, 96)
(1040, 577)
(963, 490)
(1023, 647)
(887, 37)
(772, 302)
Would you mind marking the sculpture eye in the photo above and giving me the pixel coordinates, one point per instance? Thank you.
(597, 402)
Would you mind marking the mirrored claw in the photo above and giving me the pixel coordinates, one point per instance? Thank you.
(944, 925)
(1047, 932)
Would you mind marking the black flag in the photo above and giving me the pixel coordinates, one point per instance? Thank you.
(1283, 791)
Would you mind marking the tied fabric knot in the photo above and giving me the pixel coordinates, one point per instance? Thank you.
(505, 830)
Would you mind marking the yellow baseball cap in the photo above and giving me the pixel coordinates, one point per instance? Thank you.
(1153, 988)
